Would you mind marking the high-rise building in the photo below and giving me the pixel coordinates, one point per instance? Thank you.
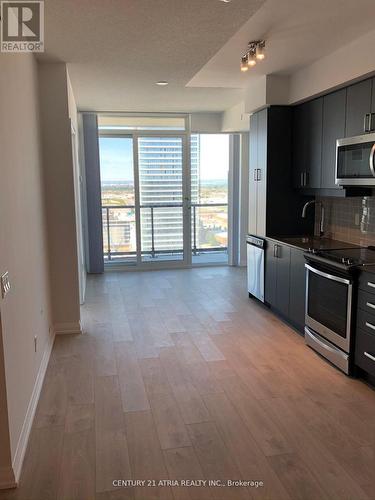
(160, 185)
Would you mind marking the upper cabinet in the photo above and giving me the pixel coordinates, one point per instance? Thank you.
(253, 173)
(317, 124)
(274, 206)
(258, 173)
(307, 144)
(333, 129)
(360, 117)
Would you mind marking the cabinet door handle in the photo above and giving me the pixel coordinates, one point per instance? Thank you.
(307, 180)
(370, 356)
(372, 122)
(370, 284)
(366, 122)
(301, 179)
(370, 325)
(369, 304)
(275, 251)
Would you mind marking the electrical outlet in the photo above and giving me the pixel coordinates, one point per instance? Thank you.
(5, 284)
(35, 343)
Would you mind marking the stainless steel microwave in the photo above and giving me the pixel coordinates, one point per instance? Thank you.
(355, 163)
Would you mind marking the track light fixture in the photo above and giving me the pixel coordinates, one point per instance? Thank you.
(254, 53)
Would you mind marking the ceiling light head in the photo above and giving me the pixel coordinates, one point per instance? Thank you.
(251, 59)
(244, 66)
(225, 1)
(162, 83)
(259, 51)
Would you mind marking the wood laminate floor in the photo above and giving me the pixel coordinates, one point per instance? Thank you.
(180, 376)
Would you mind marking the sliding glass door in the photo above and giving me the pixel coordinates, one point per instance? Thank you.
(163, 190)
(118, 199)
(145, 181)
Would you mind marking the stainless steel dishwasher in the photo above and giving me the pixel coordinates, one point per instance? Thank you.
(255, 266)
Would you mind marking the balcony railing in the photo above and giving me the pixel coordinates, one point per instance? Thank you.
(162, 232)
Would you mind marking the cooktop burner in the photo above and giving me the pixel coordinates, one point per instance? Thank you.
(350, 257)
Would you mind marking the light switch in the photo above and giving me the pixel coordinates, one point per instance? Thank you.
(5, 284)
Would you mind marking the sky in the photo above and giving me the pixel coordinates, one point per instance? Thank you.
(116, 158)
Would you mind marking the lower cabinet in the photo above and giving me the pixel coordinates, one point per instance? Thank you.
(365, 324)
(285, 282)
(297, 292)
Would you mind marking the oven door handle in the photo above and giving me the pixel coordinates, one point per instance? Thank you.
(327, 275)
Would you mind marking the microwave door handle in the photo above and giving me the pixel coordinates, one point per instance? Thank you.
(371, 161)
(366, 122)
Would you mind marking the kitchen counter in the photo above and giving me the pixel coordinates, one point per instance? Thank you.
(306, 242)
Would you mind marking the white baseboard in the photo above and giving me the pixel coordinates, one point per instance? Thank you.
(65, 328)
(29, 418)
(7, 479)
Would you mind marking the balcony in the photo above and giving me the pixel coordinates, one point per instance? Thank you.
(161, 228)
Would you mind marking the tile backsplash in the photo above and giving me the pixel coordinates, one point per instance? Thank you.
(348, 219)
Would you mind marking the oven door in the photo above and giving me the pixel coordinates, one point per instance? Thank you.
(355, 161)
(329, 306)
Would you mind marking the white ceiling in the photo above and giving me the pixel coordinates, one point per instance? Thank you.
(117, 49)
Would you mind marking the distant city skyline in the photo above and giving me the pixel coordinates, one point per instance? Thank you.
(116, 158)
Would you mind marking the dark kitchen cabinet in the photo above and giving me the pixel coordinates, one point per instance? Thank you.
(297, 289)
(258, 173)
(274, 206)
(358, 108)
(253, 172)
(364, 354)
(307, 144)
(283, 279)
(299, 146)
(314, 126)
(285, 282)
(277, 280)
(334, 106)
(270, 273)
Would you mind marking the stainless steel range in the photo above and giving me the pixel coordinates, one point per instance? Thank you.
(330, 287)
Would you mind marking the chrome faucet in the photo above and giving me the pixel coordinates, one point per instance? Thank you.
(311, 202)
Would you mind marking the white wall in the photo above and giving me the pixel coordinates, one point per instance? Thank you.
(60, 199)
(205, 123)
(7, 478)
(25, 311)
(351, 62)
(78, 190)
(235, 119)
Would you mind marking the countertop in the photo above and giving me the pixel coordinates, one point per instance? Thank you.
(306, 242)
